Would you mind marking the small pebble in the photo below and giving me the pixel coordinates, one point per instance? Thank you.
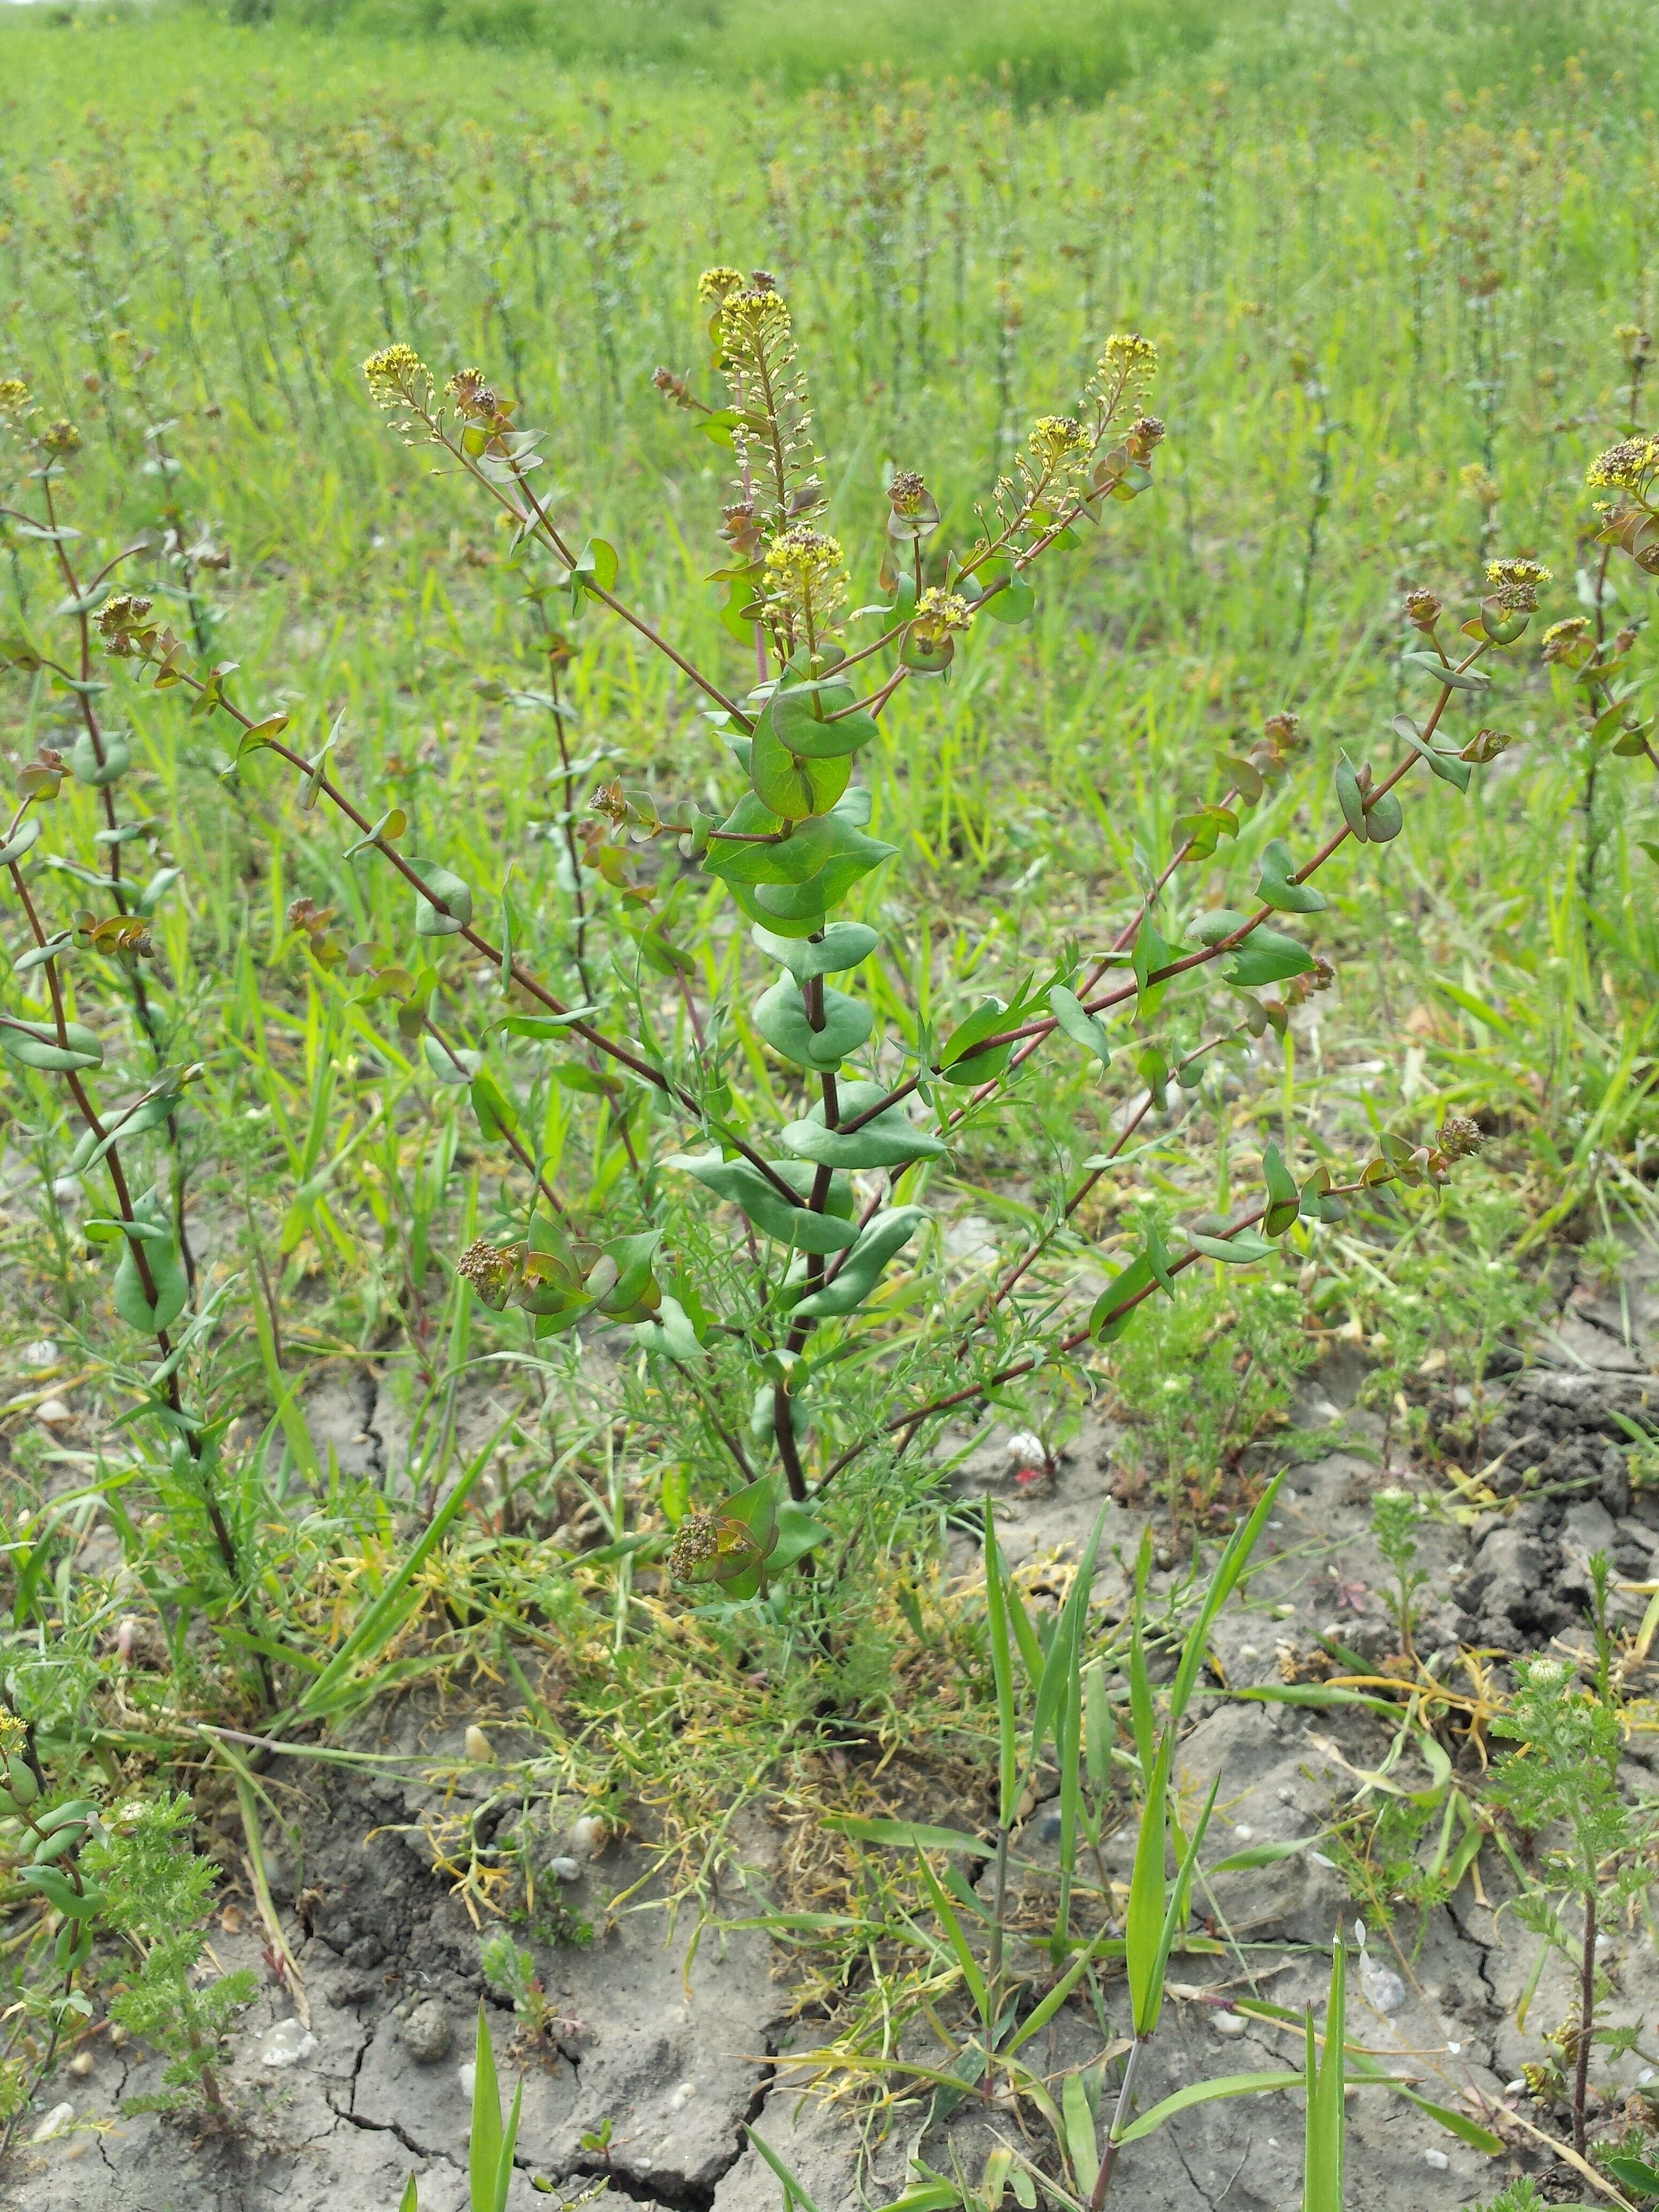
(1438, 2159)
(1229, 2023)
(82, 2064)
(1383, 1989)
(1287, 1796)
(288, 2043)
(53, 1412)
(66, 1190)
(1513, 2088)
(1248, 1651)
(1243, 1831)
(427, 2035)
(466, 2075)
(41, 1353)
(56, 2121)
(478, 1748)
(1454, 2048)
(589, 1835)
(565, 1869)
(1644, 2077)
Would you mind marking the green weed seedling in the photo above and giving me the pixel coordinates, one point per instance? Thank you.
(1562, 1783)
(489, 2144)
(42, 1835)
(153, 1891)
(1395, 1516)
(511, 1973)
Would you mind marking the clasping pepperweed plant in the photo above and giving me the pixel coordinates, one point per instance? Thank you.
(784, 1141)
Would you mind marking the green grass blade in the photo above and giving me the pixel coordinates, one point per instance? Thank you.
(958, 1943)
(911, 1835)
(1030, 1651)
(1140, 1687)
(1071, 1746)
(504, 2156)
(377, 1623)
(1231, 1566)
(1002, 1670)
(1143, 1927)
(1097, 1729)
(1175, 1912)
(1326, 2119)
(484, 2144)
(1205, 2093)
(792, 2192)
(1042, 2013)
(410, 2201)
(1061, 1666)
(1080, 2146)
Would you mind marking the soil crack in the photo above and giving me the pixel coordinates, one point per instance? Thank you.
(678, 2192)
(1187, 2167)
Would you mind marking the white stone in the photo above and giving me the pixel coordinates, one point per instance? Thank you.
(56, 2121)
(588, 1835)
(1438, 2159)
(566, 1869)
(1229, 2023)
(287, 2045)
(1383, 1987)
(41, 1353)
(53, 1412)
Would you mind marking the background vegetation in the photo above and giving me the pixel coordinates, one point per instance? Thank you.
(1394, 261)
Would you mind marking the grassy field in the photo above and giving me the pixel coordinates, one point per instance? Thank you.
(1396, 266)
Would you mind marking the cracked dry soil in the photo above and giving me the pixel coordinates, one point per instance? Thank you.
(679, 2060)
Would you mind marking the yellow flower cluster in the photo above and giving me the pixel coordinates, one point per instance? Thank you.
(753, 322)
(1626, 467)
(1057, 439)
(1128, 353)
(806, 569)
(395, 375)
(938, 612)
(1515, 583)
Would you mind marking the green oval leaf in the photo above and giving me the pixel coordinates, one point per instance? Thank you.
(1276, 889)
(862, 1270)
(781, 1018)
(86, 767)
(14, 847)
(431, 920)
(35, 1044)
(887, 1140)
